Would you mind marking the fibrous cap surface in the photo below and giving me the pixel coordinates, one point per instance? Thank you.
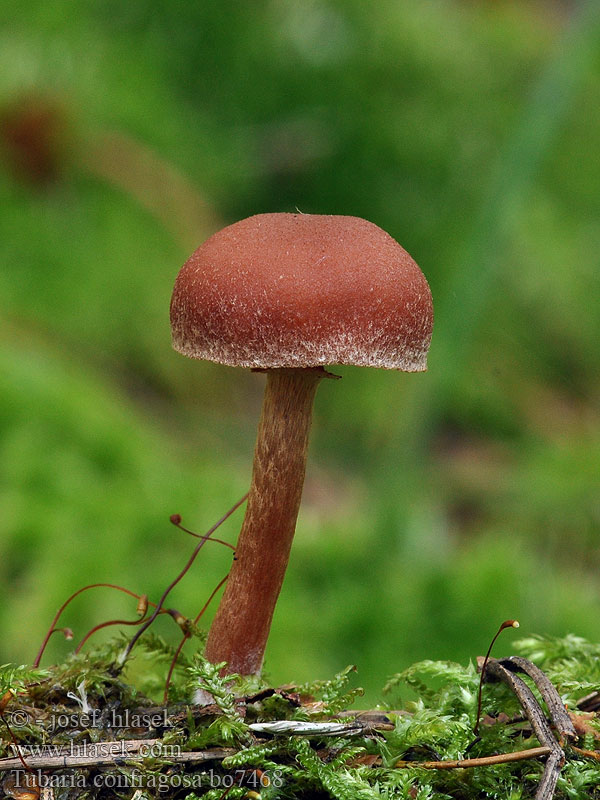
(303, 290)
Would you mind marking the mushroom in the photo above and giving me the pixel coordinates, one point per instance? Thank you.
(288, 294)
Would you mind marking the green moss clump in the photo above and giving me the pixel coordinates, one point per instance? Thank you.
(192, 751)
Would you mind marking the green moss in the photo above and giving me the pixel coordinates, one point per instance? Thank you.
(379, 759)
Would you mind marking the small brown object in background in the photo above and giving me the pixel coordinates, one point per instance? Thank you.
(31, 129)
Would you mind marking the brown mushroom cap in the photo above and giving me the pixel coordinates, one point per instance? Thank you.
(303, 290)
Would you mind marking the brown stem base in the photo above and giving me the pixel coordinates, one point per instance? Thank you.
(241, 626)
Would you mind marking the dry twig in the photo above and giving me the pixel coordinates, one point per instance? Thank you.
(105, 754)
(484, 761)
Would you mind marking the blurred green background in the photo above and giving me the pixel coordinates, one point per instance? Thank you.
(436, 505)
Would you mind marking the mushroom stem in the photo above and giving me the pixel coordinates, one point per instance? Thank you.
(239, 632)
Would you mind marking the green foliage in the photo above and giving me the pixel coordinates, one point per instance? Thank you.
(571, 662)
(442, 719)
(157, 650)
(15, 679)
(340, 782)
(207, 677)
(334, 694)
(256, 755)
(456, 685)
(436, 724)
(97, 670)
(435, 504)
